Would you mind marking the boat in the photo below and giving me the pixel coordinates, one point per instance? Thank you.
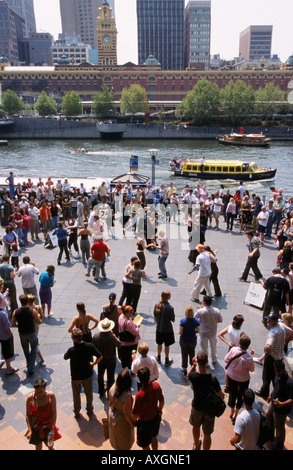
(251, 140)
(3, 142)
(223, 169)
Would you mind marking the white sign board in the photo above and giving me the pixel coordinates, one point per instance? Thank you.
(255, 295)
(54, 239)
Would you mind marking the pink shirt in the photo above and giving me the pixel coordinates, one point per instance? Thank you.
(239, 369)
(126, 324)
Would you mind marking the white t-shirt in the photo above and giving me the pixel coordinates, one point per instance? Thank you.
(217, 204)
(27, 272)
(234, 335)
(204, 262)
(247, 425)
(149, 362)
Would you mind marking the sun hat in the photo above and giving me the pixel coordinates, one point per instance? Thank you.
(106, 325)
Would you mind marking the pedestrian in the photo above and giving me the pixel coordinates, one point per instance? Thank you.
(239, 365)
(164, 316)
(121, 427)
(7, 273)
(85, 247)
(188, 330)
(25, 318)
(47, 281)
(274, 351)
(38, 308)
(82, 321)
(252, 260)
(127, 282)
(164, 253)
(136, 273)
(128, 335)
(203, 266)
(112, 312)
(106, 343)
(72, 229)
(247, 425)
(81, 370)
(217, 209)
(144, 361)
(62, 236)
(215, 272)
(277, 294)
(208, 318)
(27, 274)
(281, 401)
(231, 214)
(45, 218)
(147, 410)
(41, 416)
(202, 383)
(6, 335)
(262, 220)
(99, 251)
(34, 214)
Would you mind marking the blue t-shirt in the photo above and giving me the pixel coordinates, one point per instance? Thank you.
(46, 280)
(189, 326)
(61, 233)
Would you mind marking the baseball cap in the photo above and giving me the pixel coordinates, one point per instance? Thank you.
(272, 316)
(112, 296)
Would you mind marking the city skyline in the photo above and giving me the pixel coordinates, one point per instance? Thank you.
(227, 23)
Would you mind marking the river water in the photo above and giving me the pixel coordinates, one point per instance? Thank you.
(108, 159)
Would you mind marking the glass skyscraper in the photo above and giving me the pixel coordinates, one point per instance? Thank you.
(160, 32)
(198, 34)
(26, 9)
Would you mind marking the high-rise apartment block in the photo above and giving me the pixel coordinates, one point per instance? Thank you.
(79, 18)
(256, 42)
(160, 32)
(197, 30)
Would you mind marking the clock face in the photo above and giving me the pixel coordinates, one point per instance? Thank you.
(106, 39)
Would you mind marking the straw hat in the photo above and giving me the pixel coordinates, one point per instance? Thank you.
(106, 325)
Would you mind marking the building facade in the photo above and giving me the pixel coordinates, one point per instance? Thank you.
(256, 42)
(160, 25)
(26, 9)
(197, 34)
(79, 18)
(12, 32)
(38, 49)
(106, 36)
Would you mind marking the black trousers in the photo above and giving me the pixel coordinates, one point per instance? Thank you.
(252, 264)
(63, 247)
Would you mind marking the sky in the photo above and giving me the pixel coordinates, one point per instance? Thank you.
(229, 18)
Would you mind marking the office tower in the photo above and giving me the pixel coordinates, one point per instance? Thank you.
(79, 18)
(37, 49)
(160, 32)
(256, 42)
(197, 31)
(107, 36)
(26, 9)
(12, 31)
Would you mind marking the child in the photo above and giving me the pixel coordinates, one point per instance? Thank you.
(15, 256)
(144, 361)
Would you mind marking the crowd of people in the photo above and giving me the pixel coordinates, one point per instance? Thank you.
(82, 219)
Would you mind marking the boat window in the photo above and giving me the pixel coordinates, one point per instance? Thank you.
(188, 167)
(195, 167)
(225, 168)
(231, 169)
(212, 168)
(238, 168)
(206, 168)
(245, 167)
(254, 167)
(219, 168)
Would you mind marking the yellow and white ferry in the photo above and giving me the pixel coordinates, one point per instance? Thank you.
(222, 169)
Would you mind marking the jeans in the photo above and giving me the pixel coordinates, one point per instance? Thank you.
(230, 220)
(109, 366)
(162, 267)
(29, 343)
(63, 247)
(187, 351)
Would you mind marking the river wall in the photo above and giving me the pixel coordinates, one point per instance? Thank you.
(38, 128)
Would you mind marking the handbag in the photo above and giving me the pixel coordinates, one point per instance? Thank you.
(215, 406)
(126, 337)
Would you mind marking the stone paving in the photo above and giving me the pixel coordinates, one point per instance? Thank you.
(72, 286)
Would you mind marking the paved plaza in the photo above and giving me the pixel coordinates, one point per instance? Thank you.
(72, 287)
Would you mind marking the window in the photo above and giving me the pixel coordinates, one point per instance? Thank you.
(231, 169)
(225, 168)
(195, 168)
(212, 168)
(219, 168)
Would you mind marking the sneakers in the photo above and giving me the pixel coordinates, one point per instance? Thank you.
(158, 359)
(11, 371)
(168, 362)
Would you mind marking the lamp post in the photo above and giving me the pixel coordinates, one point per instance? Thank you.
(153, 153)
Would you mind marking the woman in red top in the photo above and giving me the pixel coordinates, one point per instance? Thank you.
(238, 199)
(41, 417)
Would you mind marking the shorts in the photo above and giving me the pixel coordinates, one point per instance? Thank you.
(7, 348)
(147, 430)
(261, 228)
(216, 214)
(36, 439)
(199, 418)
(165, 338)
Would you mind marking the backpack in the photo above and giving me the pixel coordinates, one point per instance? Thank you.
(215, 406)
(265, 432)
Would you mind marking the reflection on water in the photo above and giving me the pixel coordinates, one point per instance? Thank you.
(108, 159)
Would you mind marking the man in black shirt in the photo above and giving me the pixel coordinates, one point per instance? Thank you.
(277, 294)
(25, 318)
(81, 368)
(202, 382)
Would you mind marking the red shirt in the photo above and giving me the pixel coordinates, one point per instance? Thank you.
(98, 251)
(146, 401)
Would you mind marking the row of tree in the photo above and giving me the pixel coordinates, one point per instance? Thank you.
(201, 104)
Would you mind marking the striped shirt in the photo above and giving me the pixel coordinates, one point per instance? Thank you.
(275, 339)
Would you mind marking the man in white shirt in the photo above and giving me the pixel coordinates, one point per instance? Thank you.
(190, 200)
(27, 273)
(217, 209)
(262, 219)
(34, 213)
(208, 318)
(247, 425)
(203, 266)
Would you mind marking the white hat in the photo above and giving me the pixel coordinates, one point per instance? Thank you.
(106, 325)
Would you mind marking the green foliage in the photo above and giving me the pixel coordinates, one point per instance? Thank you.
(11, 103)
(45, 105)
(71, 104)
(201, 103)
(237, 99)
(134, 100)
(103, 102)
(269, 100)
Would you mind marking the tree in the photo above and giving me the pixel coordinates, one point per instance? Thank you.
(45, 105)
(201, 103)
(11, 103)
(71, 104)
(134, 100)
(237, 99)
(269, 100)
(103, 102)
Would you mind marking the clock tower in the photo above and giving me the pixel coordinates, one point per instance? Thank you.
(107, 36)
